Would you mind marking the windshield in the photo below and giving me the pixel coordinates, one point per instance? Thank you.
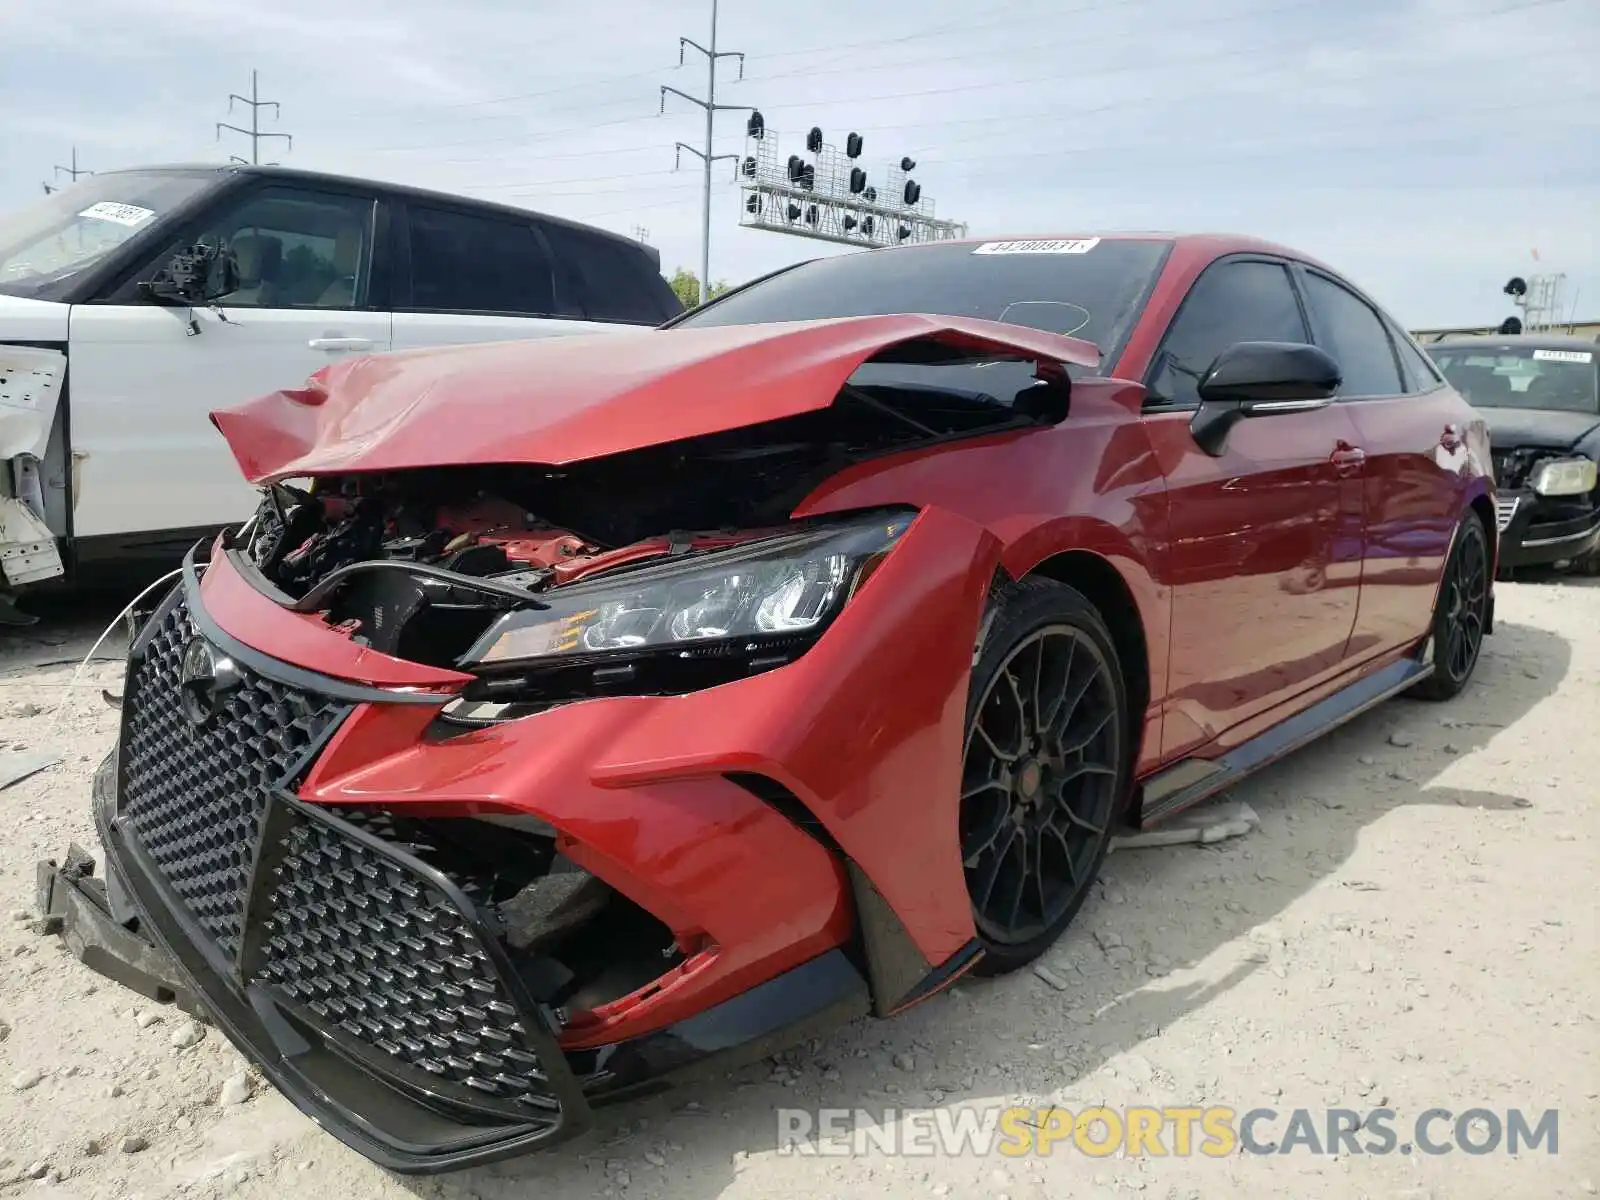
(1088, 288)
(45, 244)
(1544, 377)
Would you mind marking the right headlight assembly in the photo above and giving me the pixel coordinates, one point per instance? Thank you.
(1564, 477)
(753, 604)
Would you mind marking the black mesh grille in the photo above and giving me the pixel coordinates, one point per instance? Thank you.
(361, 942)
(194, 796)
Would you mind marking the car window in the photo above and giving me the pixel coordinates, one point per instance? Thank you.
(46, 246)
(1090, 288)
(296, 248)
(604, 279)
(1420, 373)
(1523, 375)
(1238, 301)
(1354, 335)
(470, 263)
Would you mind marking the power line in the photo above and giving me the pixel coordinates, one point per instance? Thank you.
(255, 132)
(868, 43)
(712, 108)
(1426, 124)
(1055, 76)
(1144, 64)
(1074, 112)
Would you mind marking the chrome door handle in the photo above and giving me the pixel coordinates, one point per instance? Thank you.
(1348, 460)
(340, 343)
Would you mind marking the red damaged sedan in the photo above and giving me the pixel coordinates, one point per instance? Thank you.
(579, 713)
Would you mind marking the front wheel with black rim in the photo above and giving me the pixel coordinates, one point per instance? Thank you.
(1044, 768)
(1461, 613)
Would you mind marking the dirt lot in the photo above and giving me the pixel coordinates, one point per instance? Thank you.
(1413, 925)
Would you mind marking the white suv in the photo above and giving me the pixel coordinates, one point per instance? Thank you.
(135, 302)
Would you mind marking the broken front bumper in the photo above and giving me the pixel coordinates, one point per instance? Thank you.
(1530, 535)
(124, 925)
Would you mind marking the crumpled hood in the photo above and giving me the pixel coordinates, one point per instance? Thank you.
(1540, 428)
(562, 400)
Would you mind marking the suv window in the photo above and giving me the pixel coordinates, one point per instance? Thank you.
(603, 279)
(1356, 338)
(1237, 301)
(295, 248)
(470, 263)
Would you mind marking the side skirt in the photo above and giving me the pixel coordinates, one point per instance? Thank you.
(1191, 780)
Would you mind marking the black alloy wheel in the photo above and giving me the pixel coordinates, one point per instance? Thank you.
(1462, 613)
(1044, 767)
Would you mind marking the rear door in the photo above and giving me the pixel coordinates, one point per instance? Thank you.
(470, 275)
(1264, 557)
(1412, 429)
(145, 376)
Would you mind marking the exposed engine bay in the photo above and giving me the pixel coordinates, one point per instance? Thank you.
(418, 564)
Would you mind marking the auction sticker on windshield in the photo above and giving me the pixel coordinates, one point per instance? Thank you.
(1043, 246)
(122, 214)
(1572, 356)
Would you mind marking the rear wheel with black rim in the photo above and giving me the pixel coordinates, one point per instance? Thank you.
(1461, 613)
(1044, 769)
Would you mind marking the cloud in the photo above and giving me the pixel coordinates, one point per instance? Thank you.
(1425, 146)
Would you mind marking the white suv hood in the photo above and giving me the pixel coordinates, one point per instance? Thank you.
(32, 320)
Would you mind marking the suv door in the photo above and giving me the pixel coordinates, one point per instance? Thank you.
(474, 276)
(312, 290)
(1412, 430)
(1264, 540)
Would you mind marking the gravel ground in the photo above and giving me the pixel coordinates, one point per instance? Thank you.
(1411, 925)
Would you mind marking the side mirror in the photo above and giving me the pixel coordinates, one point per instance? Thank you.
(1261, 379)
(197, 275)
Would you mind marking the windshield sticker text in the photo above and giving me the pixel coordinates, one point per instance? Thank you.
(1571, 356)
(1043, 246)
(122, 214)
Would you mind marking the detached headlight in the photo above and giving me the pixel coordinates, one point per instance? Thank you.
(1564, 477)
(767, 591)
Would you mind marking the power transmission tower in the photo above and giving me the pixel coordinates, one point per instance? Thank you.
(641, 234)
(73, 171)
(711, 107)
(254, 133)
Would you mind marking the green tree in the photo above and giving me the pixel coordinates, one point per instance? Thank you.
(687, 284)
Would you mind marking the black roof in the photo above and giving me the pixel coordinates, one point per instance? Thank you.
(404, 190)
(1511, 341)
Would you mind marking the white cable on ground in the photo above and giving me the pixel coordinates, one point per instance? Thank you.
(55, 720)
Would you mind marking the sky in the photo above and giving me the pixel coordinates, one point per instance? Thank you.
(1428, 149)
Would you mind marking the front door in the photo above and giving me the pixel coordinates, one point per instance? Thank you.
(145, 376)
(1265, 539)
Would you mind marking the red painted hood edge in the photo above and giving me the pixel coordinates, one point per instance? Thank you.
(560, 400)
(304, 640)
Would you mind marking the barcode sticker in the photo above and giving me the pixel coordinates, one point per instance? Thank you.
(121, 214)
(1040, 246)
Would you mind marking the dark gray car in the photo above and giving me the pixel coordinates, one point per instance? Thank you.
(1540, 396)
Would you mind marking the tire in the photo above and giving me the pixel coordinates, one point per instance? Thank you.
(1459, 612)
(1042, 786)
